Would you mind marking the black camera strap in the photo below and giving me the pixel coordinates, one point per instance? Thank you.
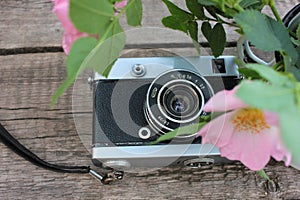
(24, 152)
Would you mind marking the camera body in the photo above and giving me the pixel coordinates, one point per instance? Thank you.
(144, 98)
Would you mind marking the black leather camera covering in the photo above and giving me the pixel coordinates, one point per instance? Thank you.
(119, 109)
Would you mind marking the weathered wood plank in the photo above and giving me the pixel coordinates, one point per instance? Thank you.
(27, 82)
(31, 24)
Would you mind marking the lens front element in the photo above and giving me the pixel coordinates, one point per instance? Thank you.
(180, 100)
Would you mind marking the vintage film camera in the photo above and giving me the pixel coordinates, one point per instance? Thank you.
(143, 98)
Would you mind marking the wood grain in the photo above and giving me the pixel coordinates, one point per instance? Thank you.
(27, 83)
(31, 24)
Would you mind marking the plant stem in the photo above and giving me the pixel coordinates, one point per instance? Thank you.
(279, 66)
(274, 10)
(230, 24)
(292, 34)
(238, 8)
(263, 174)
(115, 20)
(220, 21)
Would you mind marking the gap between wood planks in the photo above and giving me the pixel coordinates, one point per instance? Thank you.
(55, 49)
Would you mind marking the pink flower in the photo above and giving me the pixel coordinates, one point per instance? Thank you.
(246, 134)
(71, 34)
(121, 4)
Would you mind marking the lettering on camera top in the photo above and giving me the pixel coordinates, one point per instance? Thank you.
(181, 76)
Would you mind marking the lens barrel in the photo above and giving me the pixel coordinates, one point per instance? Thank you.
(176, 98)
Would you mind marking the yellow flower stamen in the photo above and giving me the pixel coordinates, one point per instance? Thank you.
(251, 120)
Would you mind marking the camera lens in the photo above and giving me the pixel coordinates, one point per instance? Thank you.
(179, 104)
(176, 98)
(180, 100)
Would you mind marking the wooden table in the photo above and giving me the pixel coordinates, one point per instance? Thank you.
(32, 67)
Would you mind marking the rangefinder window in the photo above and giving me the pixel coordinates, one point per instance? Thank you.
(218, 66)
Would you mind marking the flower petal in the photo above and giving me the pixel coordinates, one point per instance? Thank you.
(219, 131)
(224, 100)
(253, 150)
(69, 39)
(271, 118)
(279, 152)
(61, 9)
(121, 4)
(71, 34)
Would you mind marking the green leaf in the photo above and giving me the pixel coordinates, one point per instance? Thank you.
(113, 28)
(207, 2)
(295, 71)
(185, 130)
(295, 42)
(213, 11)
(106, 71)
(270, 74)
(248, 3)
(114, 1)
(266, 96)
(183, 21)
(80, 49)
(173, 23)
(90, 53)
(193, 30)
(220, 7)
(290, 126)
(193, 33)
(292, 66)
(90, 16)
(249, 73)
(178, 13)
(252, 4)
(215, 36)
(107, 51)
(297, 63)
(298, 32)
(265, 33)
(134, 13)
(196, 8)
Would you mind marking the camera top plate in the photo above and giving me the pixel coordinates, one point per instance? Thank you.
(153, 66)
